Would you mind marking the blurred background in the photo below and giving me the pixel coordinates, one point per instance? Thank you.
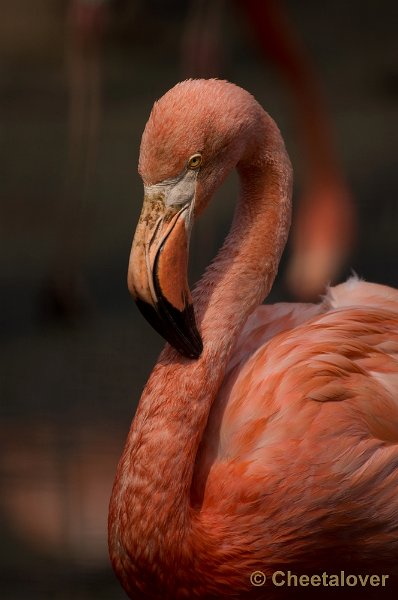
(77, 82)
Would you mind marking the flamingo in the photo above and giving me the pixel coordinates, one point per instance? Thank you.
(65, 294)
(267, 436)
(324, 229)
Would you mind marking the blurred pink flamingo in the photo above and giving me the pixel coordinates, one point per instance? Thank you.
(66, 294)
(324, 230)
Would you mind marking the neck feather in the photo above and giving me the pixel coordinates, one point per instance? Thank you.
(151, 497)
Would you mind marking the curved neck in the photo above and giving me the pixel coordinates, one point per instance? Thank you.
(244, 270)
(155, 473)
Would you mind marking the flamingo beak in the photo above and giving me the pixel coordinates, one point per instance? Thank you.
(157, 275)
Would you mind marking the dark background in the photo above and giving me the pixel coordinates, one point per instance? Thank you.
(70, 380)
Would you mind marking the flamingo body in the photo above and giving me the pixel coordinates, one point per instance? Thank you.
(299, 377)
(269, 440)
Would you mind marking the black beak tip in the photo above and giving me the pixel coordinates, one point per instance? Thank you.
(196, 348)
(175, 326)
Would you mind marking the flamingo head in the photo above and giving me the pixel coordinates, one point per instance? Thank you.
(196, 133)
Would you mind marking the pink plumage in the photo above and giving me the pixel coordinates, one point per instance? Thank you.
(276, 447)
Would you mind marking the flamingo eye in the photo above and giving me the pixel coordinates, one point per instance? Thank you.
(195, 161)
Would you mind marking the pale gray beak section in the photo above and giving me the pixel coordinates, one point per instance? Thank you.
(158, 269)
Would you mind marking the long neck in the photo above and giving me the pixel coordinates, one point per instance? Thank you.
(155, 473)
(245, 268)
